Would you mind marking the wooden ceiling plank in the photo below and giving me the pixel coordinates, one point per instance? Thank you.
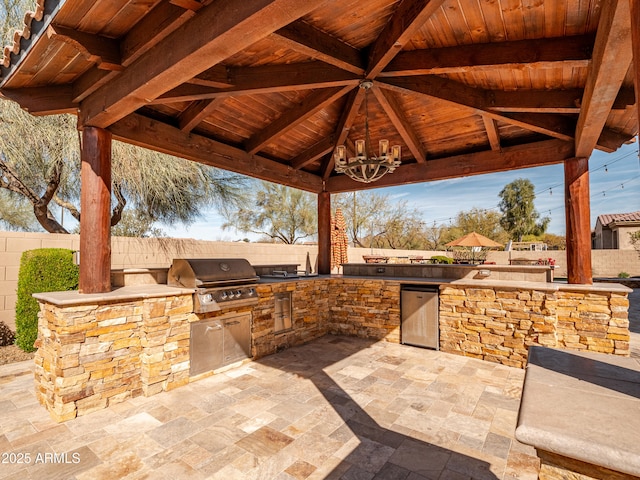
(317, 151)
(408, 18)
(294, 116)
(103, 51)
(268, 79)
(158, 136)
(612, 56)
(349, 113)
(530, 155)
(43, 100)
(493, 134)
(540, 53)
(399, 120)
(215, 33)
(193, 5)
(308, 40)
(196, 112)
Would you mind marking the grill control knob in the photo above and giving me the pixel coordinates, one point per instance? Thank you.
(223, 296)
(238, 293)
(251, 292)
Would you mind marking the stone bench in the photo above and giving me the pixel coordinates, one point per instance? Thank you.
(581, 411)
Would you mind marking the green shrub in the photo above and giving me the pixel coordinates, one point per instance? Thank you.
(441, 259)
(623, 275)
(41, 270)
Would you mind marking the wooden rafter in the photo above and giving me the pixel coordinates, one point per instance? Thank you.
(538, 154)
(44, 100)
(306, 39)
(400, 122)
(349, 113)
(408, 18)
(296, 115)
(158, 136)
(196, 112)
(493, 134)
(317, 151)
(476, 100)
(269, 79)
(216, 77)
(540, 53)
(635, 41)
(103, 51)
(612, 55)
(218, 31)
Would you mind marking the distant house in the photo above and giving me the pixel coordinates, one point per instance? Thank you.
(612, 231)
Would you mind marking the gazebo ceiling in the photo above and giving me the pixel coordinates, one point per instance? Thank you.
(269, 88)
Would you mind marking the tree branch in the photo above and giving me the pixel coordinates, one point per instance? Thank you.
(75, 213)
(116, 215)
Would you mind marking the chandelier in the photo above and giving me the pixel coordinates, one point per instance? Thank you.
(366, 167)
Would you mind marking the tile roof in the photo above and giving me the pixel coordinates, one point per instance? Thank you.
(25, 33)
(608, 218)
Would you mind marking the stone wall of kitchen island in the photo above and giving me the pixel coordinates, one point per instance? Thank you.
(366, 308)
(498, 324)
(310, 312)
(91, 356)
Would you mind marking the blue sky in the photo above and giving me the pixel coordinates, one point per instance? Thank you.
(614, 181)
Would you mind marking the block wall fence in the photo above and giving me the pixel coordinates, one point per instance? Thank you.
(159, 252)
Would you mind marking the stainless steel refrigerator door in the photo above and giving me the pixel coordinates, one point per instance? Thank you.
(420, 318)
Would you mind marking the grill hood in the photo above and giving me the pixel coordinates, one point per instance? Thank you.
(210, 272)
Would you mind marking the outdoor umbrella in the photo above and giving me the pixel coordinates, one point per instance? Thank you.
(473, 239)
(339, 240)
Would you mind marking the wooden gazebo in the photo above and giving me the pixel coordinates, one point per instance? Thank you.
(269, 88)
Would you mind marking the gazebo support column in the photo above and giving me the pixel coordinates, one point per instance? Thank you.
(324, 233)
(95, 204)
(578, 219)
(635, 42)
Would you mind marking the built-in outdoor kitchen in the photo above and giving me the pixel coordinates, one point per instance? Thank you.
(96, 350)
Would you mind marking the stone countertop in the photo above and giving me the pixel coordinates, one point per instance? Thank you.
(582, 405)
(118, 294)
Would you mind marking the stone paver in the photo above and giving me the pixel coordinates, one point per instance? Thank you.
(338, 407)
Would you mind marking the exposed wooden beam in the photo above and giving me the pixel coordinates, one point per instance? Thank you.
(482, 101)
(549, 101)
(193, 5)
(394, 111)
(196, 112)
(103, 51)
(43, 100)
(408, 18)
(538, 154)
(267, 79)
(153, 27)
(158, 136)
(349, 113)
(612, 57)
(294, 116)
(308, 40)
(492, 133)
(310, 155)
(218, 31)
(540, 53)
(216, 77)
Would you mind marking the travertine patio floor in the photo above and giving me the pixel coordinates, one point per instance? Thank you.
(335, 408)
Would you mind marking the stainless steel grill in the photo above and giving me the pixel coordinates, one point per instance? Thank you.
(219, 282)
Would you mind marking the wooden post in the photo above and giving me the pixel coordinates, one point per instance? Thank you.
(95, 210)
(635, 46)
(324, 233)
(578, 219)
